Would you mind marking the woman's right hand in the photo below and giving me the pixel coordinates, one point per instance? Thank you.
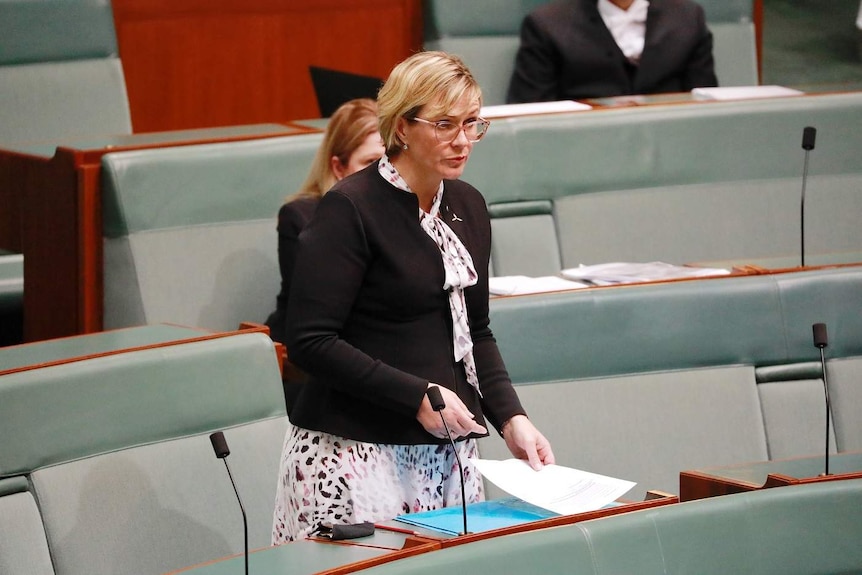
(459, 419)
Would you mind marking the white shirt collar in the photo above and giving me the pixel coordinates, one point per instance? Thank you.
(628, 27)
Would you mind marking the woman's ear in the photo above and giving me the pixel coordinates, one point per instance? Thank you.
(400, 131)
(338, 169)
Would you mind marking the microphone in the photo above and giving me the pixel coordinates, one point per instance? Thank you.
(808, 136)
(820, 342)
(221, 451)
(437, 404)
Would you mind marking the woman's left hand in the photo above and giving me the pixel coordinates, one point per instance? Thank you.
(525, 442)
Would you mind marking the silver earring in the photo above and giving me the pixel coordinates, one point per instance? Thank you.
(404, 147)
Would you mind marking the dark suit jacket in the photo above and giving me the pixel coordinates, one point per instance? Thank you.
(567, 53)
(369, 320)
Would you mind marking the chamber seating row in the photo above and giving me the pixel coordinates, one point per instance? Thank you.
(717, 183)
(803, 529)
(486, 34)
(189, 233)
(106, 466)
(644, 381)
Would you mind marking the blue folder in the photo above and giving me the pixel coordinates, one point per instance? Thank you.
(483, 516)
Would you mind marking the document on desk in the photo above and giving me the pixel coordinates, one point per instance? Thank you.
(627, 272)
(559, 489)
(532, 108)
(743, 92)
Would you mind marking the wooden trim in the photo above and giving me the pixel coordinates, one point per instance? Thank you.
(205, 336)
(757, 18)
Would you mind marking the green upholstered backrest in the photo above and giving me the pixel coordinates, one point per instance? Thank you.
(55, 30)
(755, 320)
(116, 450)
(213, 209)
(734, 48)
(646, 427)
(802, 529)
(112, 402)
(60, 74)
(449, 18)
(556, 155)
(845, 393)
(684, 183)
(162, 506)
(157, 189)
(23, 545)
(612, 374)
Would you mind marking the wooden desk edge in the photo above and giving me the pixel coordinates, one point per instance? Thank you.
(656, 501)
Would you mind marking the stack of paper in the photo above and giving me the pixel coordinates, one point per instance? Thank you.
(622, 272)
(743, 92)
(508, 110)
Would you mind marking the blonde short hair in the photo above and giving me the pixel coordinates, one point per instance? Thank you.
(347, 129)
(436, 78)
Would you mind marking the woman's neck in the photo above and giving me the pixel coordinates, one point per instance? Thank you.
(425, 189)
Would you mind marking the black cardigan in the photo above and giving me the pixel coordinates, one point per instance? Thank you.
(369, 321)
(293, 216)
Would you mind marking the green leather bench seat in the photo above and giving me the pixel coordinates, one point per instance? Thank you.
(60, 75)
(803, 529)
(190, 232)
(644, 381)
(680, 183)
(116, 450)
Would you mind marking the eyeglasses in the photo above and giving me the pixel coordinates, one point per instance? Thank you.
(447, 131)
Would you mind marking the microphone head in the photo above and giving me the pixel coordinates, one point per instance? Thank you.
(808, 136)
(820, 338)
(219, 445)
(436, 398)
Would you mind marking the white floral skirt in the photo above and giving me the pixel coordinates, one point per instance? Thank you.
(325, 478)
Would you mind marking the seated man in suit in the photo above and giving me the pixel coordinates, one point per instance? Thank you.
(576, 49)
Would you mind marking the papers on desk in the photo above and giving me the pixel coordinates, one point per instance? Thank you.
(623, 272)
(519, 285)
(556, 488)
(508, 110)
(743, 92)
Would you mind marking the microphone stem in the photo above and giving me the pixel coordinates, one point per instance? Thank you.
(460, 471)
(828, 408)
(802, 210)
(242, 509)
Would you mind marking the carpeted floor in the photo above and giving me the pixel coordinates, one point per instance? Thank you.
(812, 44)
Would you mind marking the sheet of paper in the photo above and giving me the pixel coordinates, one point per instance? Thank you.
(625, 272)
(559, 489)
(507, 110)
(518, 285)
(744, 92)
